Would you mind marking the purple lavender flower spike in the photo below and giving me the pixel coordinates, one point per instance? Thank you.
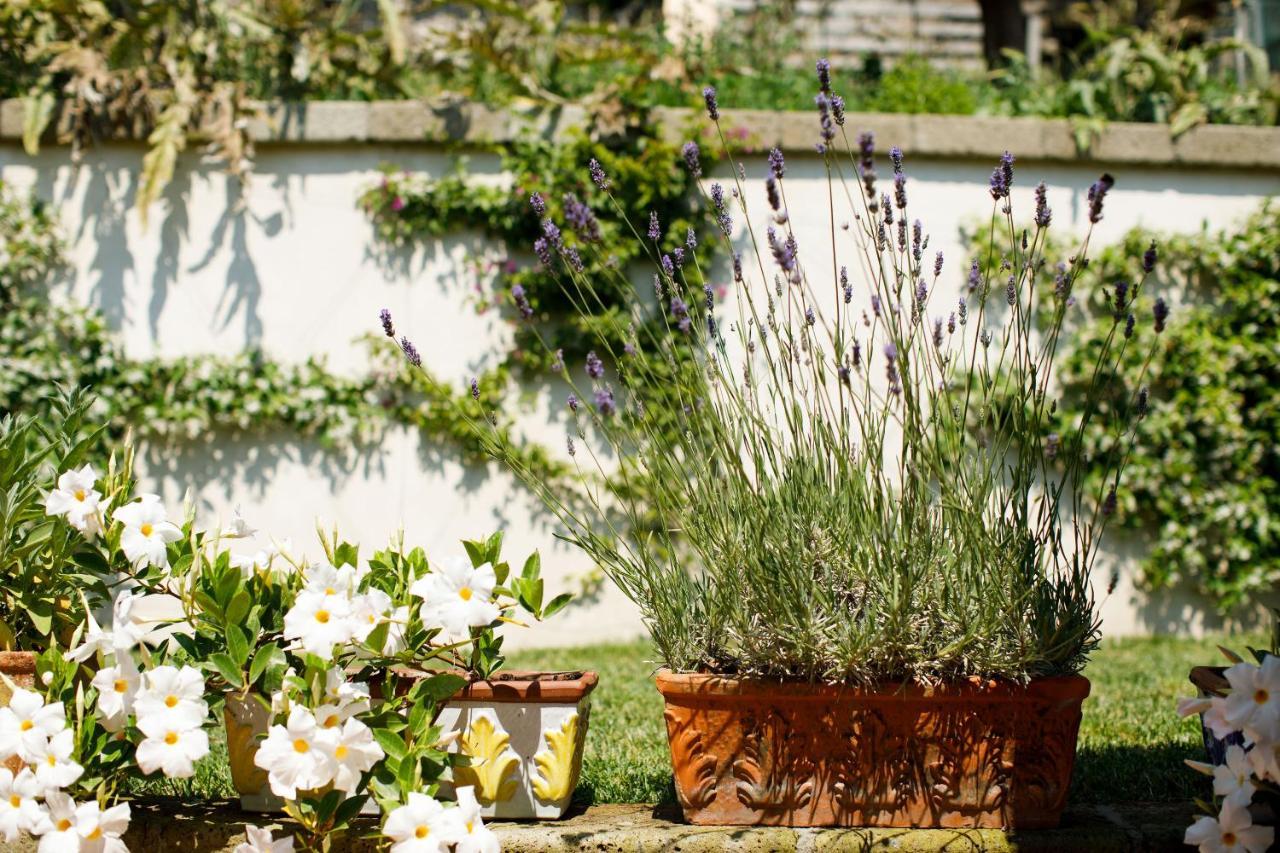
(922, 291)
(595, 367)
(542, 249)
(521, 300)
(598, 176)
(1109, 503)
(771, 191)
(1160, 313)
(846, 288)
(837, 109)
(677, 255)
(809, 317)
(1044, 215)
(605, 404)
(709, 98)
(937, 333)
(1149, 258)
(410, 352)
(557, 363)
(475, 389)
(573, 402)
(975, 277)
(692, 158)
(691, 239)
(895, 157)
(717, 197)
(538, 204)
(777, 164)
(655, 231)
(387, 328)
(937, 264)
(569, 445)
(668, 267)
(823, 67)
(1097, 193)
(1011, 291)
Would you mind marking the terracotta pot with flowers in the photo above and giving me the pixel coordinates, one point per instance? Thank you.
(844, 500)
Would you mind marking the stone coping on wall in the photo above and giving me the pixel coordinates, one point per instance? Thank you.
(941, 136)
(159, 825)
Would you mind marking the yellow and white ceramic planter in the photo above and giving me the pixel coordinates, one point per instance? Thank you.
(524, 735)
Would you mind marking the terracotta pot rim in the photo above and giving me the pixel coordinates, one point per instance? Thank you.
(18, 663)
(560, 687)
(675, 685)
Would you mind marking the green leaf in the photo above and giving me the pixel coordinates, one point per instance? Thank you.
(227, 669)
(237, 645)
(391, 743)
(267, 656)
(532, 567)
(238, 609)
(475, 550)
(437, 688)
(556, 605)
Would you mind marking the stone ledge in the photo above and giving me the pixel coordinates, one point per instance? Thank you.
(211, 828)
(940, 136)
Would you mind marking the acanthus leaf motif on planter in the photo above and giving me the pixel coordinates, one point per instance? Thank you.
(559, 764)
(1039, 784)
(882, 768)
(695, 775)
(493, 767)
(776, 770)
(969, 773)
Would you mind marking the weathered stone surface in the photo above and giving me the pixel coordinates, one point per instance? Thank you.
(939, 136)
(163, 825)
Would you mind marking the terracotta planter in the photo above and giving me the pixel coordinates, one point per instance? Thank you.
(20, 668)
(246, 722)
(788, 754)
(524, 733)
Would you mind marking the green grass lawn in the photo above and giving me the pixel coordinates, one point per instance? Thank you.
(1132, 743)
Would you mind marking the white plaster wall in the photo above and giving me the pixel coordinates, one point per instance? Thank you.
(289, 264)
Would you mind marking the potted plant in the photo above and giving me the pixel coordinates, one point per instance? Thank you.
(855, 529)
(1239, 711)
(522, 733)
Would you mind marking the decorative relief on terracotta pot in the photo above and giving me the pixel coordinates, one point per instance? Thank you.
(493, 767)
(775, 772)
(558, 765)
(1052, 731)
(878, 768)
(970, 773)
(695, 770)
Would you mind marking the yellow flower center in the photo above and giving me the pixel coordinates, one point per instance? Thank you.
(52, 761)
(328, 590)
(27, 725)
(171, 701)
(15, 800)
(171, 738)
(469, 827)
(120, 685)
(465, 593)
(421, 832)
(1229, 839)
(330, 721)
(95, 835)
(80, 494)
(322, 616)
(301, 745)
(64, 825)
(1261, 696)
(146, 529)
(340, 753)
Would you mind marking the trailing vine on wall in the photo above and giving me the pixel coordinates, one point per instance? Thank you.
(1204, 479)
(46, 341)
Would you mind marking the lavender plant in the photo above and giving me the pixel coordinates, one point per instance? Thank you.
(849, 494)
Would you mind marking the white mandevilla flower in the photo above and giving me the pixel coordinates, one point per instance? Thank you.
(295, 757)
(350, 697)
(1253, 705)
(52, 763)
(76, 500)
(257, 563)
(128, 629)
(368, 610)
(147, 531)
(59, 834)
(354, 751)
(27, 724)
(472, 835)
(172, 698)
(117, 687)
(100, 830)
(19, 811)
(334, 580)
(456, 596)
(95, 641)
(420, 826)
(172, 751)
(399, 623)
(260, 841)
(1231, 831)
(1234, 779)
(238, 528)
(318, 622)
